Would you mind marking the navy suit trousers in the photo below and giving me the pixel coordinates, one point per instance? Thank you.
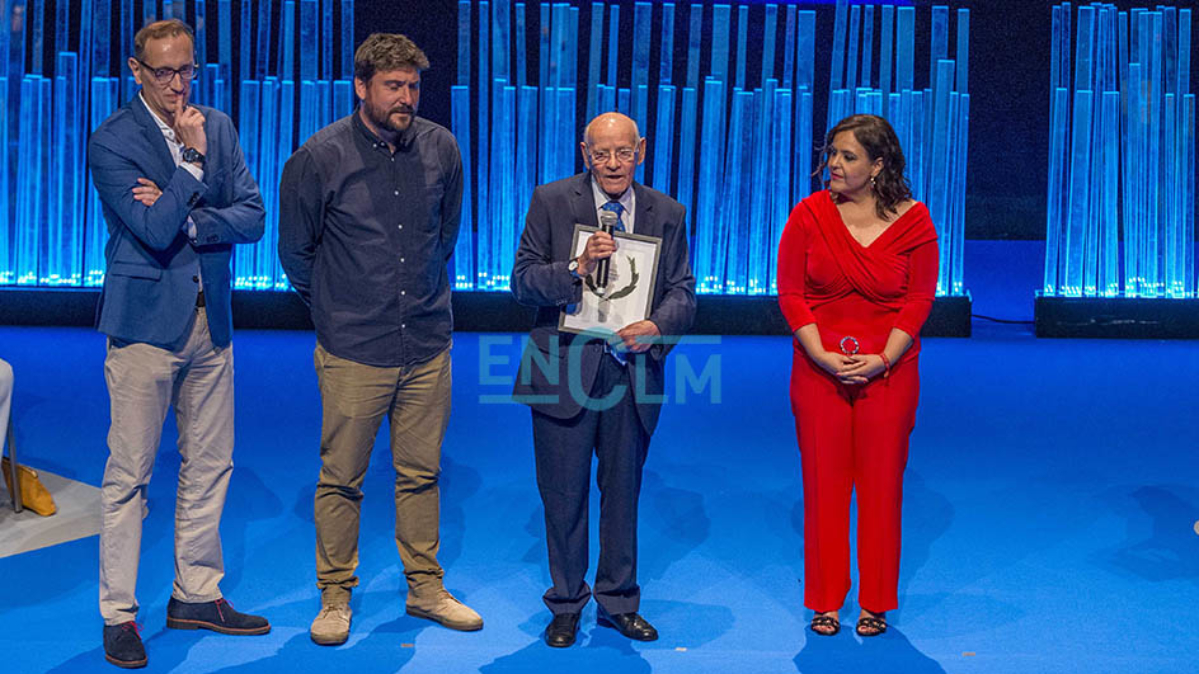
(563, 450)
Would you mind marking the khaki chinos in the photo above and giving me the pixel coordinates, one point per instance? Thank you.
(143, 382)
(354, 400)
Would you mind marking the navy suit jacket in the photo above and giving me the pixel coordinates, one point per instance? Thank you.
(540, 278)
(149, 287)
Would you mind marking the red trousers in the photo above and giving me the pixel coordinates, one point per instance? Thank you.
(852, 436)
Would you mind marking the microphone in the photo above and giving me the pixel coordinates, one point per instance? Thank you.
(608, 222)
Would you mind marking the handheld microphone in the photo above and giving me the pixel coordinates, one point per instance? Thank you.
(608, 222)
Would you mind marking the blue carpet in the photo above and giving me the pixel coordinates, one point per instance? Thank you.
(1049, 505)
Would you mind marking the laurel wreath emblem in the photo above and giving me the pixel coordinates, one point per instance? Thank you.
(623, 292)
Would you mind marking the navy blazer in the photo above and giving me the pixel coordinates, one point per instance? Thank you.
(150, 284)
(540, 278)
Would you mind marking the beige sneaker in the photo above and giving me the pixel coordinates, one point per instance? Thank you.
(447, 610)
(331, 626)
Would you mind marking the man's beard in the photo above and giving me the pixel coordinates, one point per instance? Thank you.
(382, 119)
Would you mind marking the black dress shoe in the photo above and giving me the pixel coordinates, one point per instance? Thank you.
(123, 646)
(561, 631)
(217, 616)
(630, 624)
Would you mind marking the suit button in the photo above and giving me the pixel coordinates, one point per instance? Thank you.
(212, 239)
(195, 279)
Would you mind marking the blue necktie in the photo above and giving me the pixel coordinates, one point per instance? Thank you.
(615, 207)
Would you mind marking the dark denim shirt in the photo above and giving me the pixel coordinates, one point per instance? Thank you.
(365, 235)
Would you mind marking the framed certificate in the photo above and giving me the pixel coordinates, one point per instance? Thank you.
(629, 295)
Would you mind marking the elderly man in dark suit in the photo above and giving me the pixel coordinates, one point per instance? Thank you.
(626, 372)
(177, 196)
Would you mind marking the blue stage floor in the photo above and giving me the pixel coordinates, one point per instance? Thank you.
(1050, 499)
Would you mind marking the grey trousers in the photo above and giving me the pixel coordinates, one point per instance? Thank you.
(355, 398)
(6, 382)
(143, 382)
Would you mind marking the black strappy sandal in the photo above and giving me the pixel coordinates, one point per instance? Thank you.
(871, 626)
(825, 621)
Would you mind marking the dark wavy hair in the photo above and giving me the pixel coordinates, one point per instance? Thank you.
(877, 137)
(384, 52)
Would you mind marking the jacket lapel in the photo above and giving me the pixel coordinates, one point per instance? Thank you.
(159, 155)
(645, 220)
(582, 205)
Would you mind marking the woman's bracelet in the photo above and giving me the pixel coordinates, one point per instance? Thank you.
(886, 364)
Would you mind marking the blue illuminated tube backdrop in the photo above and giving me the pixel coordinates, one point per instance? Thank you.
(1121, 151)
(758, 138)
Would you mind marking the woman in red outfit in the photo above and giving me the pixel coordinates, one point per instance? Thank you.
(857, 274)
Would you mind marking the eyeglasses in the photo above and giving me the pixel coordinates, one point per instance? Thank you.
(624, 154)
(164, 75)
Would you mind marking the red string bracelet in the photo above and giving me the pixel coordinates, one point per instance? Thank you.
(886, 364)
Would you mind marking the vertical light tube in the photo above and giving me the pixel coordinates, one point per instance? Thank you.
(29, 182)
(482, 119)
(708, 193)
(957, 276)
(720, 46)
(837, 70)
(694, 35)
(244, 65)
(742, 38)
(508, 231)
(464, 254)
(963, 50)
(104, 92)
(463, 55)
(565, 137)
(805, 52)
(905, 32)
(1109, 243)
(497, 275)
(768, 39)
(687, 128)
(72, 170)
(734, 207)
(1057, 172)
(938, 39)
(249, 113)
(326, 72)
(938, 182)
(763, 172)
(789, 52)
(1153, 244)
(268, 185)
(851, 65)
(522, 66)
(886, 55)
(664, 138)
(526, 145)
(639, 77)
(666, 45)
(594, 52)
(867, 47)
(1189, 196)
(286, 145)
(781, 190)
(1079, 197)
(263, 42)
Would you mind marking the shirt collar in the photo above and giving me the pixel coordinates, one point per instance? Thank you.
(403, 141)
(162, 126)
(627, 200)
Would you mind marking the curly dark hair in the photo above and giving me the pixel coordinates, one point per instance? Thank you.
(877, 137)
(385, 52)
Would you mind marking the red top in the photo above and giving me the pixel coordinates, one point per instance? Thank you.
(826, 277)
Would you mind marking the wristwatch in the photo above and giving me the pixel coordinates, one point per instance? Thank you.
(193, 156)
(573, 268)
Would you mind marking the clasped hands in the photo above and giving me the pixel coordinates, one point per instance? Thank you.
(856, 369)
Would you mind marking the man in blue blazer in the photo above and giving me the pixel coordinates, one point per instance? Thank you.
(176, 195)
(590, 395)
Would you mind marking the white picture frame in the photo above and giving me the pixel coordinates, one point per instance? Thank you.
(629, 294)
